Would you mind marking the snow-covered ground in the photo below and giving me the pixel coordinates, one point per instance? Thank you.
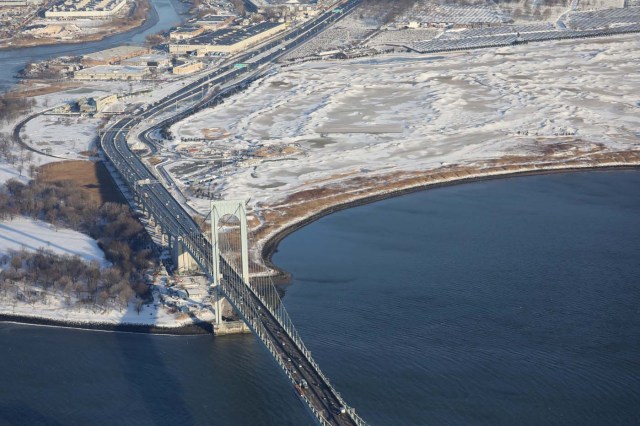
(57, 308)
(29, 234)
(68, 137)
(318, 123)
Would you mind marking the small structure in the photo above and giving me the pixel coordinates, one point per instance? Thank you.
(105, 101)
(185, 33)
(187, 67)
(12, 3)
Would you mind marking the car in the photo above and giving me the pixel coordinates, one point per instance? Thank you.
(338, 410)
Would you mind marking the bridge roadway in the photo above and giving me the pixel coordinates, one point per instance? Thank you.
(275, 332)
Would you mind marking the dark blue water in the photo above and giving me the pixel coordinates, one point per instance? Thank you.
(51, 376)
(501, 302)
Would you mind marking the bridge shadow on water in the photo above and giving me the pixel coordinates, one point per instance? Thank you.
(160, 395)
(159, 391)
(22, 414)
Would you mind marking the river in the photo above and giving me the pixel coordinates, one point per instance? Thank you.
(164, 15)
(498, 302)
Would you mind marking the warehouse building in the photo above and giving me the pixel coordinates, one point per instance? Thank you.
(114, 56)
(153, 60)
(228, 40)
(85, 9)
(112, 72)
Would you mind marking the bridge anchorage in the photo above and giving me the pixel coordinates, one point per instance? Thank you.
(223, 255)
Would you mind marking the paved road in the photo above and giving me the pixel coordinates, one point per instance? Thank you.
(320, 396)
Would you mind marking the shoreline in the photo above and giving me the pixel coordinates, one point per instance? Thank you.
(270, 246)
(99, 36)
(204, 328)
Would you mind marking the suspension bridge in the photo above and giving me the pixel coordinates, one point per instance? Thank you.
(223, 254)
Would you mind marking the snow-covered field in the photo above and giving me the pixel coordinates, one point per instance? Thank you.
(57, 309)
(67, 137)
(24, 233)
(329, 121)
(28, 234)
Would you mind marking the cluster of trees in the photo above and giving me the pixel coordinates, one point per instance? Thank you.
(32, 277)
(66, 204)
(19, 159)
(14, 107)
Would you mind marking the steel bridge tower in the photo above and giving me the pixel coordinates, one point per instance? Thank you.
(221, 211)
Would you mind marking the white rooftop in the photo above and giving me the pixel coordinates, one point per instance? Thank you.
(113, 69)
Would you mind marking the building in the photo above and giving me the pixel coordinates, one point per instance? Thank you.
(71, 9)
(12, 3)
(153, 60)
(187, 67)
(105, 101)
(112, 72)
(185, 33)
(114, 55)
(228, 40)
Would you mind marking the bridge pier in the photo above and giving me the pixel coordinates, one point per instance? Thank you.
(182, 260)
(218, 305)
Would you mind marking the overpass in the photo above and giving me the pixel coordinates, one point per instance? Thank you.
(258, 304)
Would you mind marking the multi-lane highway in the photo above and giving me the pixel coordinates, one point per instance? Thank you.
(275, 331)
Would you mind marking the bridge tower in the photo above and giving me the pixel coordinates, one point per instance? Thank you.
(221, 212)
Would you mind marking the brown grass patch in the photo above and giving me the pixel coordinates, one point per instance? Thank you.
(28, 92)
(325, 196)
(154, 160)
(93, 177)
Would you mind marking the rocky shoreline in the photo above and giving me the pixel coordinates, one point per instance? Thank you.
(270, 246)
(187, 330)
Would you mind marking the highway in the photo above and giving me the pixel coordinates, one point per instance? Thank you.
(275, 330)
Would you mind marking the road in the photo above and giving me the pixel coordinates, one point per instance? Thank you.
(288, 350)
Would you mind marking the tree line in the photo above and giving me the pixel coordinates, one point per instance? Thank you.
(66, 204)
(31, 277)
(14, 107)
